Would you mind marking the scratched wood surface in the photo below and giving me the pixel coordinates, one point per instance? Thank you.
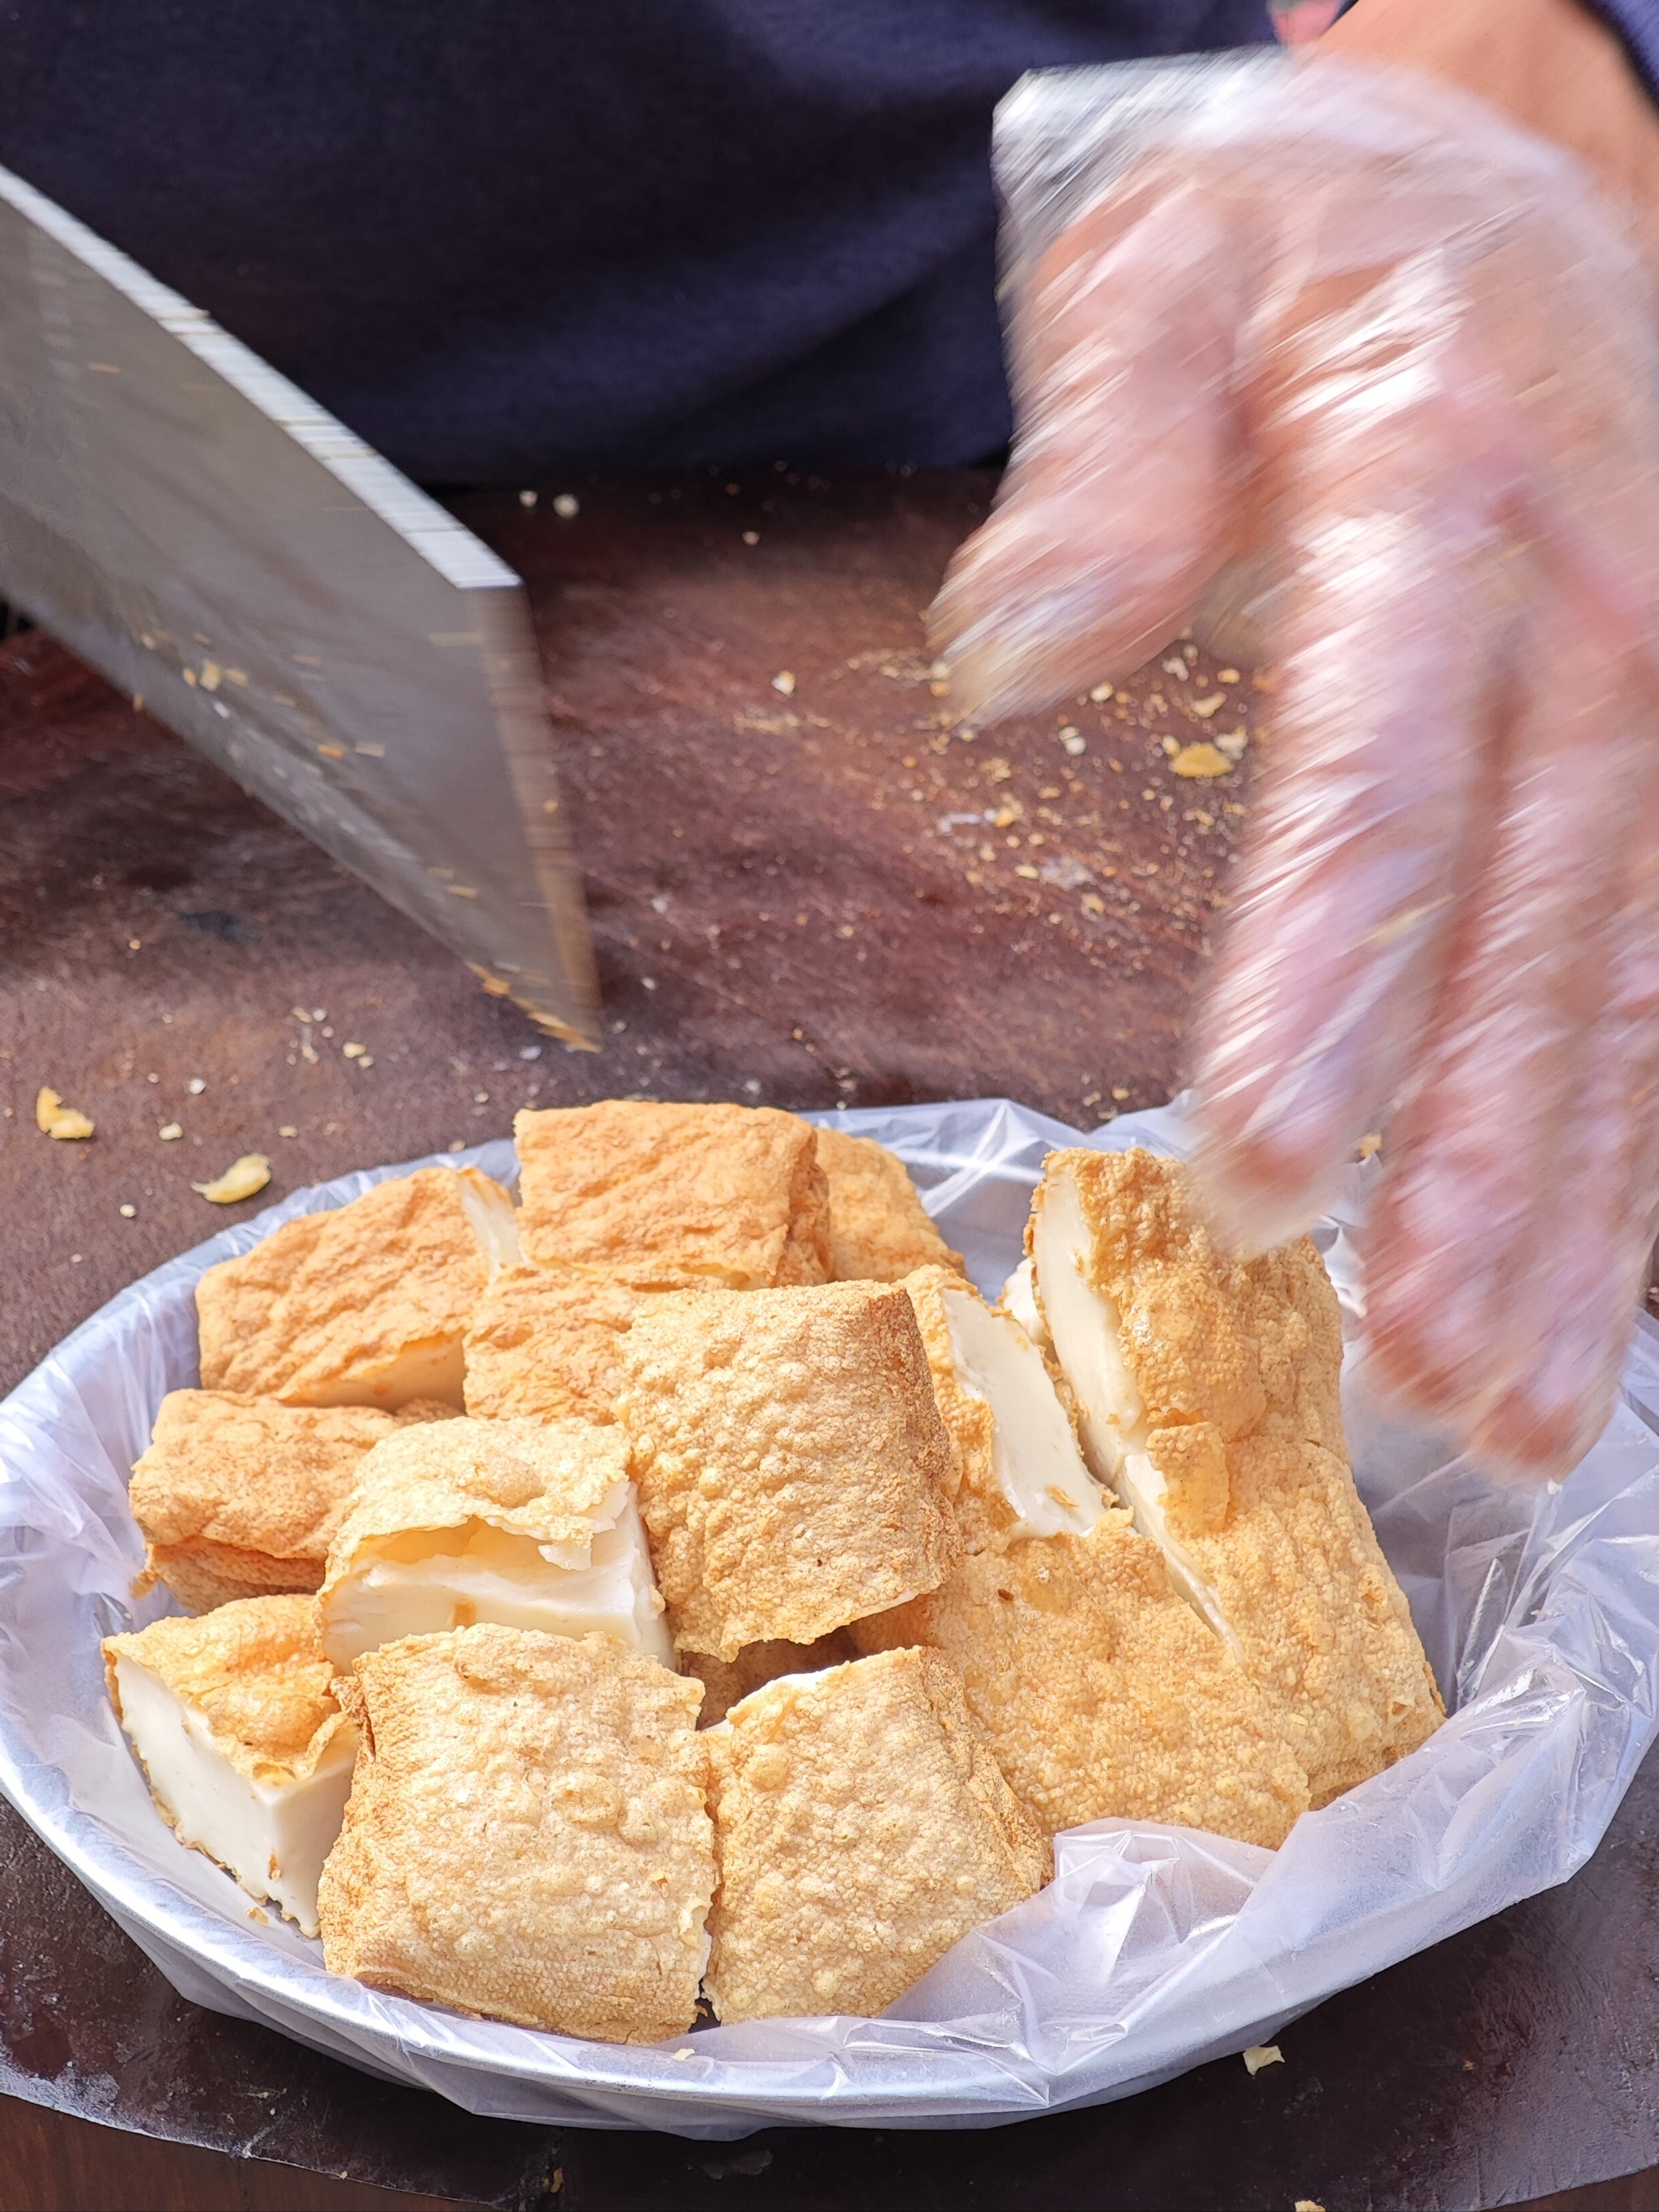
(809, 884)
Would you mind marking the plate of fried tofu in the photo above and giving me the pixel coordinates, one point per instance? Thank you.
(706, 1612)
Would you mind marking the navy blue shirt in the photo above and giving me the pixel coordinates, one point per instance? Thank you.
(506, 239)
(509, 240)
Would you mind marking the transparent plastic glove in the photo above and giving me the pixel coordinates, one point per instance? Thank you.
(1339, 350)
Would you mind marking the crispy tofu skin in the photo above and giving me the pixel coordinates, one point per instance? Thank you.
(792, 1464)
(674, 1197)
(1018, 1470)
(527, 1836)
(529, 1523)
(542, 1346)
(1099, 1691)
(1207, 1393)
(240, 1497)
(242, 1740)
(725, 1680)
(879, 1228)
(862, 1828)
(364, 1306)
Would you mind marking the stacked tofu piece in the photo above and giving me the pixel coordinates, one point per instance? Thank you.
(684, 1587)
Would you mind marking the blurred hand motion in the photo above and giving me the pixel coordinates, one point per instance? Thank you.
(1335, 360)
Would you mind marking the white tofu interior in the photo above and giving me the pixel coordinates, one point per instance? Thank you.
(434, 1369)
(1111, 1418)
(1019, 1299)
(424, 1580)
(273, 1836)
(494, 1223)
(1033, 1450)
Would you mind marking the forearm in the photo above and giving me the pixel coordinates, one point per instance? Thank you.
(1553, 65)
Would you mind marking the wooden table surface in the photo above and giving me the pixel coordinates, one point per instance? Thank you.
(804, 893)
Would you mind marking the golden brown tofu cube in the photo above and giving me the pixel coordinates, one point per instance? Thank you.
(363, 1306)
(675, 1196)
(242, 1740)
(791, 1461)
(879, 1228)
(1101, 1694)
(862, 1829)
(527, 1836)
(532, 1523)
(1207, 1395)
(240, 1497)
(542, 1346)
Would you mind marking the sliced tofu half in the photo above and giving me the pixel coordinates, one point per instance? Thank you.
(1084, 1325)
(247, 1753)
(365, 1305)
(526, 1524)
(1018, 1468)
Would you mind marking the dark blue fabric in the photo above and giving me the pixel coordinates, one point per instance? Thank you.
(1638, 23)
(507, 240)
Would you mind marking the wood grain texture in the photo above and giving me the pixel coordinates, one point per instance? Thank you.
(713, 810)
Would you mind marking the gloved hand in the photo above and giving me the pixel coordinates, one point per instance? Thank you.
(1342, 349)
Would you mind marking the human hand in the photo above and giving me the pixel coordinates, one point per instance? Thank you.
(1347, 331)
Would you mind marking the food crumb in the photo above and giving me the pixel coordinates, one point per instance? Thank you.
(1369, 1145)
(566, 506)
(169, 1132)
(1201, 760)
(1101, 693)
(286, 1129)
(1308, 2204)
(242, 1179)
(54, 1119)
(1262, 2054)
(784, 681)
(196, 1086)
(126, 1212)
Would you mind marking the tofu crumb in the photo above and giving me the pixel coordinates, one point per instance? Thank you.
(169, 1133)
(1205, 760)
(243, 1178)
(53, 1118)
(784, 681)
(126, 1212)
(1262, 2054)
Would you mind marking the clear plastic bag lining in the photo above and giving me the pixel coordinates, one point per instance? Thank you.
(1153, 1950)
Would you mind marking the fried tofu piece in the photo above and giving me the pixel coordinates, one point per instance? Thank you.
(1207, 1394)
(675, 1197)
(542, 1346)
(240, 1497)
(880, 1230)
(793, 1467)
(725, 1680)
(1019, 1472)
(363, 1306)
(1101, 1694)
(532, 1524)
(246, 1748)
(862, 1828)
(528, 1837)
